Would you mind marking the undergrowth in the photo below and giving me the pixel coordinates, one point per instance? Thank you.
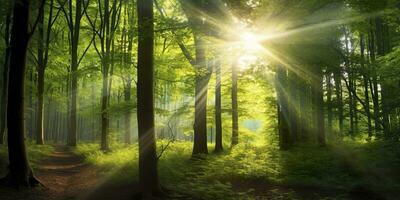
(338, 167)
(35, 154)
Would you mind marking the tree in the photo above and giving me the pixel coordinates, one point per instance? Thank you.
(42, 59)
(4, 75)
(20, 173)
(235, 116)
(148, 173)
(74, 25)
(109, 17)
(218, 109)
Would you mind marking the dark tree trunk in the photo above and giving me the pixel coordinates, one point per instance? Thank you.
(319, 103)
(218, 109)
(201, 89)
(72, 135)
(366, 85)
(5, 71)
(20, 172)
(43, 53)
(329, 101)
(283, 111)
(293, 108)
(148, 174)
(40, 71)
(339, 98)
(104, 114)
(382, 47)
(127, 95)
(235, 116)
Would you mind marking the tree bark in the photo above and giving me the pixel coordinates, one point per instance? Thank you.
(75, 31)
(41, 72)
(218, 109)
(283, 111)
(20, 172)
(148, 174)
(201, 89)
(127, 95)
(366, 85)
(4, 92)
(319, 103)
(235, 116)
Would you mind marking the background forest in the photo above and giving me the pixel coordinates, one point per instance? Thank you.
(200, 99)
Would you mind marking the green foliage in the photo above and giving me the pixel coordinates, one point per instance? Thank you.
(339, 167)
(36, 154)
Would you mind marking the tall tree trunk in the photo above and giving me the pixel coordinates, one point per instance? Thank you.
(4, 92)
(382, 50)
(40, 92)
(339, 98)
(292, 95)
(329, 102)
(20, 172)
(235, 116)
(72, 135)
(218, 109)
(283, 111)
(201, 89)
(127, 95)
(104, 114)
(148, 174)
(319, 106)
(366, 85)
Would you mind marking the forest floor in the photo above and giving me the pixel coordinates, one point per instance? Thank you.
(351, 172)
(64, 175)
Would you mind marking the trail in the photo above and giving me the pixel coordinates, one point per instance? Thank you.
(66, 175)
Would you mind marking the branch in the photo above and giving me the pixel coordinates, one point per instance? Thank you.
(357, 97)
(183, 48)
(62, 7)
(86, 50)
(33, 55)
(41, 12)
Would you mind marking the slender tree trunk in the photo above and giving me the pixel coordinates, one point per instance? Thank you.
(128, 114)
(283, 111)
(218, 109)
(318, 105)
(104, 114)
(292, 95)
(235, 116)
(41, 71)
(381, 40)
(148, 173)
(319, 101)
(72, 136)
(4, 92)
(366, 85)
(329, 101)
(339, 98)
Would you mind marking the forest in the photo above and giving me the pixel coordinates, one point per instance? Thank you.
(200, 99)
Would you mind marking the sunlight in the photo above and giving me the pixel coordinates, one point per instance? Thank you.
(245, 61)
(251, 42)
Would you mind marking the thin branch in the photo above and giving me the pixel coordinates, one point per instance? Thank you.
(41, 12)
(183, 48)
(86, 50)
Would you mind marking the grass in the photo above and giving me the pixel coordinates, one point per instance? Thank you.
(35, 154)
(338, 167)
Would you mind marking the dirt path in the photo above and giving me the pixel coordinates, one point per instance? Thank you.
(66, 175)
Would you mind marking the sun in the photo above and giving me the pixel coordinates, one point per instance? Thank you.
(251, 42)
